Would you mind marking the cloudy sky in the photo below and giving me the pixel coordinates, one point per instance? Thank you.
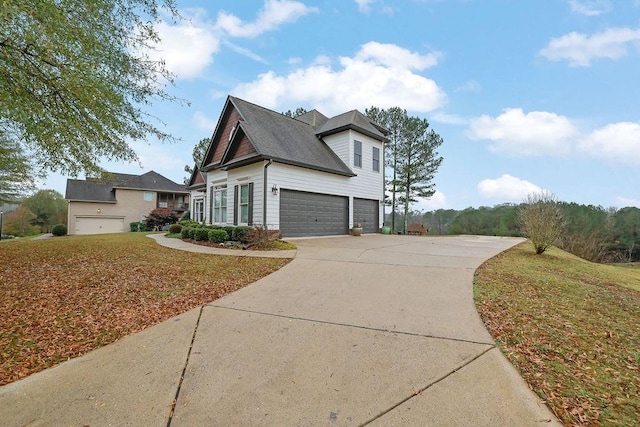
(528, 95)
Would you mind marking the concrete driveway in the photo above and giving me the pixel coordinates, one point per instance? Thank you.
(371, 330)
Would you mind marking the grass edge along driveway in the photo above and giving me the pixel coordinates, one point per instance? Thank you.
(63, 297)
(570, 327)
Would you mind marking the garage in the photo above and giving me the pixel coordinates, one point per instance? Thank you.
(99, 225)
(313, 214)
(365, 212)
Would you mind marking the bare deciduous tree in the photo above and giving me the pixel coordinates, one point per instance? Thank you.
(540, 217)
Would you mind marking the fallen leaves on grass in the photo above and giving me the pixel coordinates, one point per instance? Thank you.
(571, 331)
(64, 297)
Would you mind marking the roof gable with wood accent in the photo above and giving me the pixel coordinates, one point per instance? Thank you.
(247, 133)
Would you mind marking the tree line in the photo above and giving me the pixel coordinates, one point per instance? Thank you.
(591, 232)
(35, 214)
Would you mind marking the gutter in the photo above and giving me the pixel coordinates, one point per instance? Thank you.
(264, 195)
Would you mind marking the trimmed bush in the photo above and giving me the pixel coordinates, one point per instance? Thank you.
(175, 228)
(241, 234)
(187, 233)
(59, 230)
(217, 236)
(229, 229)
(201, 234)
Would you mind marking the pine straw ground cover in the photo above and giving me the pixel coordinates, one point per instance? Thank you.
(65, 296)
(572, 329)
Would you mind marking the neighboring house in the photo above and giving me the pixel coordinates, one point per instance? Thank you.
(109, 205)
(305, 176)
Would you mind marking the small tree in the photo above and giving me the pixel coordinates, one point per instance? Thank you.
(161, 216)
(541, 220)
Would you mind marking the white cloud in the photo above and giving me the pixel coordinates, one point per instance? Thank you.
(435, 202)
(394, 56)
(368, 78)
(590, 7)
(470, 86)
(616, 142)
(364, 6)
(273, 14)
(187, 48)
(533, 134)
(449, 119)
(202, 121)
(580, 49)
(245, 52)
(507, 187)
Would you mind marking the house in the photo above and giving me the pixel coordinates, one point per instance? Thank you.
(111, 203)
(306, 176)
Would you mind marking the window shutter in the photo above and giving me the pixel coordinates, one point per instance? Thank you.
(236, 204)
(250, 203)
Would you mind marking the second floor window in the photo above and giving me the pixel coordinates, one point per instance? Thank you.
(376, 159)
(357, 154)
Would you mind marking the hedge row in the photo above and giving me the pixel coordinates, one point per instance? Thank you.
(216, 234)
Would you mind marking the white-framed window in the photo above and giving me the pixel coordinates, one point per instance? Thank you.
(148, 196)
(163, 204)
(220, 205)
(198, 210)
(357, 154)
(376, 159)
(244, 204)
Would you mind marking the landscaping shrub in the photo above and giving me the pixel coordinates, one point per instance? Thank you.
(175, 228)
(59, 230)
(139, 226)
(201, 234)
(188, 223)
(187, 233)
(217, 236)
(241, 234)
(229, 229)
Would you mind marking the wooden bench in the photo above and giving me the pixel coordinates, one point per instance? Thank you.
(415, 229)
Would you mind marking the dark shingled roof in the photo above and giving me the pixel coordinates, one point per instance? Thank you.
(281, 138)
(355, 120)
(102, 189)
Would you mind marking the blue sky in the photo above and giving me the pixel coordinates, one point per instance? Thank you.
(527, 95)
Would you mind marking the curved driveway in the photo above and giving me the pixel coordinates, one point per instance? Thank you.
(376, 330)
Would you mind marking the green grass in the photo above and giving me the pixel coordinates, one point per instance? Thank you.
(570, 327)
(62, 297)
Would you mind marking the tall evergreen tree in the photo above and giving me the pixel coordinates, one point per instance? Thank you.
(417, 162)
(411, 156)
(197, 154)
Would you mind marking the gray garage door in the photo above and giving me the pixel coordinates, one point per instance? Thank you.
(312, 214)
(366, 213)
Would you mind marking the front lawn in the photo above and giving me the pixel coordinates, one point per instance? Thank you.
(572, 329)
(62, 297)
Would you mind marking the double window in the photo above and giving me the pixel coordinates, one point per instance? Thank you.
(220, 205)
(198, 210)
(243, 201)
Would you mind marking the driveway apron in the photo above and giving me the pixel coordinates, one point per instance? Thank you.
(372, 330)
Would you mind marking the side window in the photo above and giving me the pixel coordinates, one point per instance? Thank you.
(357, 154)
(376, 159)
(148, 196)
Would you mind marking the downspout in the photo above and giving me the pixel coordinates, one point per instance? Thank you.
(264, 195)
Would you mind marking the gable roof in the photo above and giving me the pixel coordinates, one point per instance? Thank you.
(258, 133)
(354, 120)
(102, 189)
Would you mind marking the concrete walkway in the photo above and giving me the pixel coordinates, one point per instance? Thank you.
(377, 330)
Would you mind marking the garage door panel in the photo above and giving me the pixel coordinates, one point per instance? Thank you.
(99, 225)
(366, 212)
(312, 214)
